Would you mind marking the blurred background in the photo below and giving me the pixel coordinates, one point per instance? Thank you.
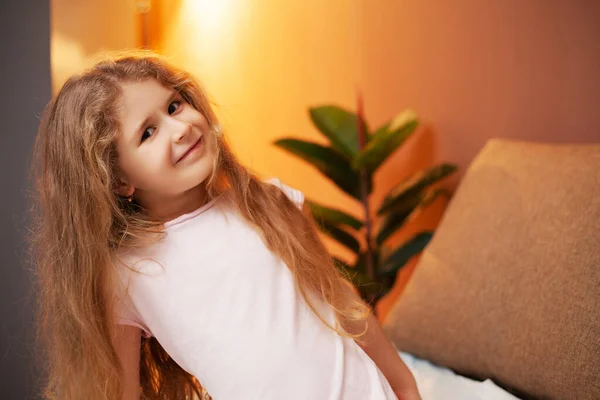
(471, 69)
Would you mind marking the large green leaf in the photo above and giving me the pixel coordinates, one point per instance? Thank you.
(340, 235)
(431, 195)
(386, 140)
(333, 216)
(413, 186)
(330, 162)
(397, 217)
(403, 253)
(339, 126)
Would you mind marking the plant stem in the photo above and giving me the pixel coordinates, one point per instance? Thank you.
(364, 194)
(364, 182)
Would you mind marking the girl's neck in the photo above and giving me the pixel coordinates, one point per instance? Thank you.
(168, 208)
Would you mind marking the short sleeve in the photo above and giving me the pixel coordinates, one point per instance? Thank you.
(296, 196)
(125, 314)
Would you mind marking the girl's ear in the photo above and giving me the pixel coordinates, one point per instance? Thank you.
(123, 188)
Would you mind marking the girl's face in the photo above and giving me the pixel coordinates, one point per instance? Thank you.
(164, 149)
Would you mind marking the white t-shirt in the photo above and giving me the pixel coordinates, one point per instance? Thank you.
(225, 309)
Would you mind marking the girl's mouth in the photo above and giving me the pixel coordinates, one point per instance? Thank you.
(193, 149)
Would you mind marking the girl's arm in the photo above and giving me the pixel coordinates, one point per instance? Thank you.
(127, 342)
(382, 352)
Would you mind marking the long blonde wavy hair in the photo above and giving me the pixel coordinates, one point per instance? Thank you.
(80, 224)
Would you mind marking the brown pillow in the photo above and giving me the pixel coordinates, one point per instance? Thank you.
(509, 287)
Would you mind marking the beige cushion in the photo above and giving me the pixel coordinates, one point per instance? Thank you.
(509, 287)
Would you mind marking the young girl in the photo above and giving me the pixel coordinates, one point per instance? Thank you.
(163, 264)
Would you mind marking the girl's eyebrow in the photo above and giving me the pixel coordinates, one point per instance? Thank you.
(141, 126)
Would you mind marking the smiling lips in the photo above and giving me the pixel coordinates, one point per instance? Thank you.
(191, 148)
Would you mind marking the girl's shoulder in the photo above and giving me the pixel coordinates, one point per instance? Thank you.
(295, 195)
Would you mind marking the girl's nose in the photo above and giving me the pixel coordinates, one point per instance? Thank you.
(180, 130)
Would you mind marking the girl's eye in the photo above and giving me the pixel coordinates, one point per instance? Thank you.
(174, 106)
(147, 132)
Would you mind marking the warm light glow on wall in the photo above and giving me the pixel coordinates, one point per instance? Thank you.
(207, 30)
(210, 15)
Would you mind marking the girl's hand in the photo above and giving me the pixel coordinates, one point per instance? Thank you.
(407, 394)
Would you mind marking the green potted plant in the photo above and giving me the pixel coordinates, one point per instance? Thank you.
(353, 155)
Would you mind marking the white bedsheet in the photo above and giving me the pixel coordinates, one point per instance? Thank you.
(437, 383)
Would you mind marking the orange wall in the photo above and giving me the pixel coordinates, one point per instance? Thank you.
(480, 69)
